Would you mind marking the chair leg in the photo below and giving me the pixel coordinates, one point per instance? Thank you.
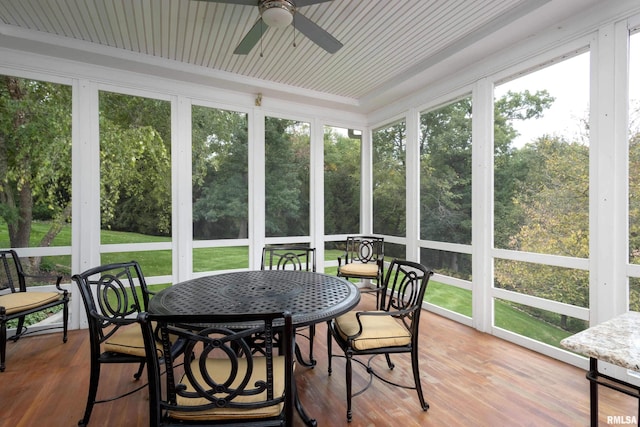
(138, 374)
(93, 391)
(65, 321)
(389, 362)
(312, 335)
(329, 347)
(3, 345)
(349, 376)
(19, 328)
(416, 378)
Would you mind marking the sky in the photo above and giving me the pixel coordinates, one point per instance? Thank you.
(568, 82)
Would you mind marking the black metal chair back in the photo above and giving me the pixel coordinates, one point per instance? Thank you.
(364, 249)
(361, 254)
(219, 379)
(288, 257)
(113, 296)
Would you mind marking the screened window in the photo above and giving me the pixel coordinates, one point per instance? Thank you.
(341, 180)
(541, 195)
(135, 179)
(35, 179)
(389, 180)
(634, 167)
(220, 180)
(287, 175)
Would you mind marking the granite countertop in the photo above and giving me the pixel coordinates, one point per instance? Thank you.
(615, 341)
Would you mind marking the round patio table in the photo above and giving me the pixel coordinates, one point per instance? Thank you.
(310, 297)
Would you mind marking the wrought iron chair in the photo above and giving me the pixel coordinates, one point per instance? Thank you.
(392, 328)
(16, 302)
(113, 295)
(219, 380)
(292, 257)
(363, 258)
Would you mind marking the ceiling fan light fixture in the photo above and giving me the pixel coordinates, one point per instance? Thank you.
(277, 13)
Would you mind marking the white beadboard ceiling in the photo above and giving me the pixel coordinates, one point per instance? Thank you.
(386, 43)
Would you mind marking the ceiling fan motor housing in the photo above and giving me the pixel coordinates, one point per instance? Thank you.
(277, 13)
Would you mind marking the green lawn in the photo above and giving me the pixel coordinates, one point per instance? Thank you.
(158, 263)
(507, 316)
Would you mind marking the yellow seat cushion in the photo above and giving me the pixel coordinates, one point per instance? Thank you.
(21, 301)
(219, 369)
(377, 331)
(127, 340)
(359, 270)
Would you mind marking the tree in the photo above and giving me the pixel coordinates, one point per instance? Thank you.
(287, 164)
(555, 206)
(220, 173)
(135, 164)
(445, 173)
(389, 180)
(35, 154)
(341, 183)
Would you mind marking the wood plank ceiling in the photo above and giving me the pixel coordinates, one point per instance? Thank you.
(384, 41)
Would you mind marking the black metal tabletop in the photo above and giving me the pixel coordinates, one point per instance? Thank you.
(310, 297)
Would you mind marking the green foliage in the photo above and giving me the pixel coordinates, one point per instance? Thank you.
(554, 204)
(35, 153)
(445, 173)
(287, 163)
(389, 180)
(220, 173)
(341, 183)
(135, 164)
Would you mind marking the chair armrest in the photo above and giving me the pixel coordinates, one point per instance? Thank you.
(114, 320)
(365, 313)
(47, 278)
(396, 314)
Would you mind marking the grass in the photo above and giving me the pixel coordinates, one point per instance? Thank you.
(507, 315)
(158, 263)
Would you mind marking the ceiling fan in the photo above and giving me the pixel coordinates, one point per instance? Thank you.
(279, 14)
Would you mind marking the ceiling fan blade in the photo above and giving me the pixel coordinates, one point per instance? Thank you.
(315, 33)
(251, 38)
(240, 2)
(300, 3)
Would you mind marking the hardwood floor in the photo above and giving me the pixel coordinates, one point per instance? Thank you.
(469, 379)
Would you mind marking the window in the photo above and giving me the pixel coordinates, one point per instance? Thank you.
(389, 181)
(445, 199)
(220, 187)
(35, 176)
(341, 180)
(541, 193)
(634, 167)
(35, 169)
(135, 179)
(287, 170)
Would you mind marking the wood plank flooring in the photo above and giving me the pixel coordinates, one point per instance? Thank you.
(469, 379)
